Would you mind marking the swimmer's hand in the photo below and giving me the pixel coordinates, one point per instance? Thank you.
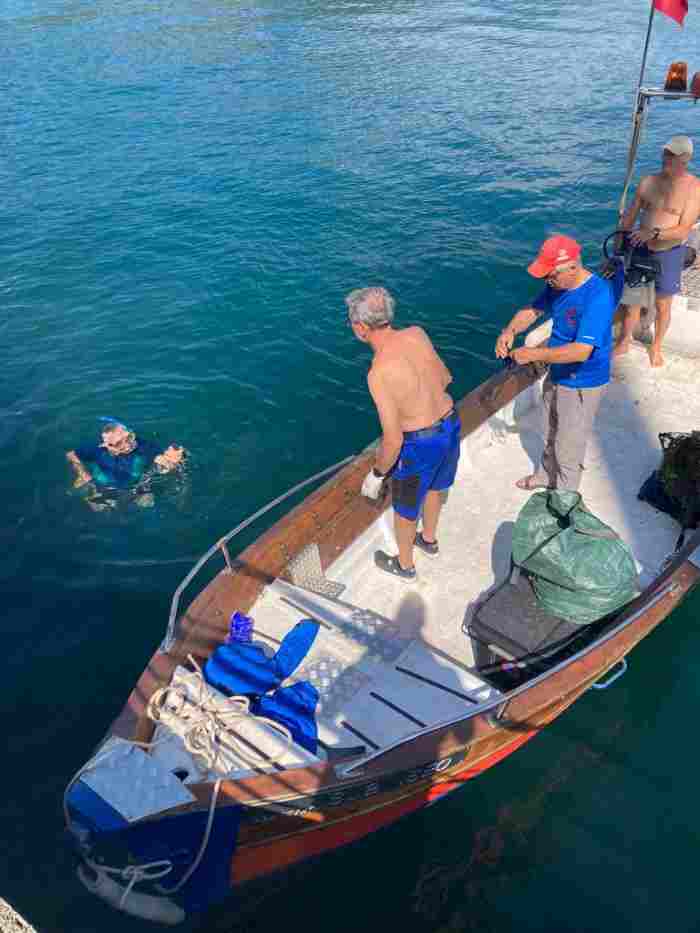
(372, 485)
(82, 476)
(171, 458)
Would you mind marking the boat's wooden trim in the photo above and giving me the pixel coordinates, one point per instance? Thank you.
(333, 517)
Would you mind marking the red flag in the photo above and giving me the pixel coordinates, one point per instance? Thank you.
(676, 9)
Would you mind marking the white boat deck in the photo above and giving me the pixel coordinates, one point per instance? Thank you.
(392, 657)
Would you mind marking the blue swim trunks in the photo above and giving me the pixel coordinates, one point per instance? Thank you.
(428, 460)
(670, 266)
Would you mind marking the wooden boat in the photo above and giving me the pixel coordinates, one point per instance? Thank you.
(406, 714)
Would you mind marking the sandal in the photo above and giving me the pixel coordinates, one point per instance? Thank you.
(427, 547)
(527, 483)
(393, 566)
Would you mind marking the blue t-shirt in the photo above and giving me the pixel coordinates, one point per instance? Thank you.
(583, 315)
(120, 470)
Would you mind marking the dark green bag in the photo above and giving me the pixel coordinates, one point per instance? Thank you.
(580, 568)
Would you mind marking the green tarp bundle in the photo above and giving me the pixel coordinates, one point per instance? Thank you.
(580, 569)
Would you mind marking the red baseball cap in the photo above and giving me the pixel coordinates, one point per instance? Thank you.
(554, 252)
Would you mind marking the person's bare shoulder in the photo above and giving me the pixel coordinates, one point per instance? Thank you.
(417, 333)
(377, 373)
(692, 212)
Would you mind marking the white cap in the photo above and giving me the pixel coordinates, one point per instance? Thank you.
(680, 146)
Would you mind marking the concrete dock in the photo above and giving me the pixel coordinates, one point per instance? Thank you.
(10, 920)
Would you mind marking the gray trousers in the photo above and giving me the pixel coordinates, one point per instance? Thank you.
(568, 421)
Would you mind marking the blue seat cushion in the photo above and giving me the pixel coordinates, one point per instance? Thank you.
(242, 668)
(295, 708)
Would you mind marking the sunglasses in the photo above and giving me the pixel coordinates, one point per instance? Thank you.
(666, 154)
(124, 443)
(555, 273)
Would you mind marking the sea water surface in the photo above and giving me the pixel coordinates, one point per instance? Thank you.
(189, 189)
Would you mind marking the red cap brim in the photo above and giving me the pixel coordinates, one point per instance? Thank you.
(540, 268)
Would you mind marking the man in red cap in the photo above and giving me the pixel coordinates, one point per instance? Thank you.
(667, 206)
(581, 305)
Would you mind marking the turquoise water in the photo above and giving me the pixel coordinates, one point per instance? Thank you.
(189, 190)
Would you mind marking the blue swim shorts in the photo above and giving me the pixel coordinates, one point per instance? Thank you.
(670, 265)
(428, 460)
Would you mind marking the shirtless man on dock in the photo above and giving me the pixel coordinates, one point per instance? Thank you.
(668, 206)
(419, 449)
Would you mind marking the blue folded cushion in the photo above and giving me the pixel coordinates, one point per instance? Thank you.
(242, 668)
(295, 708)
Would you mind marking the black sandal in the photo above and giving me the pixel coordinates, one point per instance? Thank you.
(393, 566)
(430, 548)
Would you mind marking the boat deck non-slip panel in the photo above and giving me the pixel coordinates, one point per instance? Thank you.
(377, 683)
(378, 722)
(132, 782)
(422, 689)
(433, 667)
(424, 699)
(357, 632)
(363, 641)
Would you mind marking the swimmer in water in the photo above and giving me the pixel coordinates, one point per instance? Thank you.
(121, 461)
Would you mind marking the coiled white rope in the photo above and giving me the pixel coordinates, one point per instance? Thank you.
(208, 721)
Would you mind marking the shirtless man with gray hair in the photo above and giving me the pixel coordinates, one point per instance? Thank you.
(419, 448)
(667, 205)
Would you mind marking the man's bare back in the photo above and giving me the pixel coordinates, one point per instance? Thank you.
(407, 382)
(410, 372)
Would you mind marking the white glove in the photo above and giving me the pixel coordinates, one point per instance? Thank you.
(372, 486)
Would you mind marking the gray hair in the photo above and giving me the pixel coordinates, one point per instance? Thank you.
(372, 306)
